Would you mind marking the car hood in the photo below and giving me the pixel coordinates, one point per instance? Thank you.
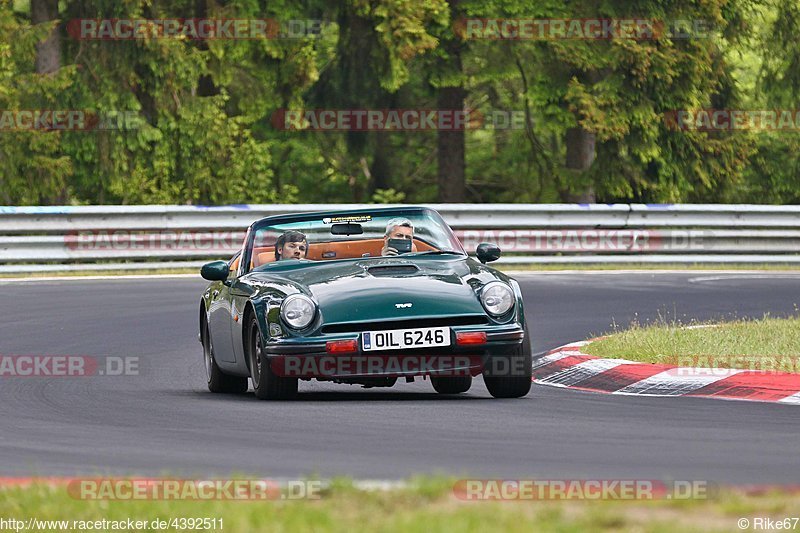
(393, 288)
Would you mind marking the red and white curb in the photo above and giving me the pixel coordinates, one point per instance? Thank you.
(568, 366)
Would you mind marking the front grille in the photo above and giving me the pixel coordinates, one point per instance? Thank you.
(353, 327)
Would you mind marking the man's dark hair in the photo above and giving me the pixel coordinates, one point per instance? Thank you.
(289, 236)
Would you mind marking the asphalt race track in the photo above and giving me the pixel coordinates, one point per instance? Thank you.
(165, 422)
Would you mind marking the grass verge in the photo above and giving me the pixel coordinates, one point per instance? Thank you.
(769, 344)
(424, 505)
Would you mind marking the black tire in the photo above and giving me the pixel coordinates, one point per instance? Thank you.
(218, 381)
(513, 372)
(451, 385)
(266, 384)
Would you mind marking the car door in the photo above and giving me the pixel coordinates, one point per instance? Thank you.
(240, 293)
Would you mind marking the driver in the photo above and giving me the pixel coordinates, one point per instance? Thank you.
(398, 228)
(291, 245)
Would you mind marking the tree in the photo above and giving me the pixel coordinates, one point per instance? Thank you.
(450, 97)
(33, 166)
(48, 51)
(592, 111)
(601, 104)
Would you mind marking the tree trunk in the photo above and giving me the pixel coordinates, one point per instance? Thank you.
(451, 153)
(450, 143)
(48, 52)
(381, 168)
(580, 155)
(205, 84)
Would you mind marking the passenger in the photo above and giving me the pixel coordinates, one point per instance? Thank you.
(291, 245)
(398, 228)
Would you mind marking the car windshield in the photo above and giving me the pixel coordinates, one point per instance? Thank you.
(357, 235)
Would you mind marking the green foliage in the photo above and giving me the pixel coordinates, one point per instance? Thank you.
(205, 133)
(33, 167)
(388, 196)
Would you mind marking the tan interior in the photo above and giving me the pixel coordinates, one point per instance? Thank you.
(325, 251)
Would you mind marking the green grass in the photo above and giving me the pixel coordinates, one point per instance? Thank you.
(770, 344)
(427, 504)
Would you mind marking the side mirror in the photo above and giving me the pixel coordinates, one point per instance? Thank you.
(215, 271)
(487, 252)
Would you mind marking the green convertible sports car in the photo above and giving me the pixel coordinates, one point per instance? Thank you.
(361, 297)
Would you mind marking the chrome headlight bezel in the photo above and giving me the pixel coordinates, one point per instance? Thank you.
(489, 292)
(308, 316)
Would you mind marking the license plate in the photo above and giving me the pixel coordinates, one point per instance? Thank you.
(397, 339)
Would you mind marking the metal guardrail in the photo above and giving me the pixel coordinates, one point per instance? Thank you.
(146, 237)
(57, 219)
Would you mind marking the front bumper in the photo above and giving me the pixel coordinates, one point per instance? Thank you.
(309, 358)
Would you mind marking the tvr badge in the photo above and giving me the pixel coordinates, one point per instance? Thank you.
(403, 306)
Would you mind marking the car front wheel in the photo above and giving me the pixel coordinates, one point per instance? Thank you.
(266, 384)
(509, 376)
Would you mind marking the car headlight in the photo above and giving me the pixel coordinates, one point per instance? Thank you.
(497, 298)
(298, 311)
